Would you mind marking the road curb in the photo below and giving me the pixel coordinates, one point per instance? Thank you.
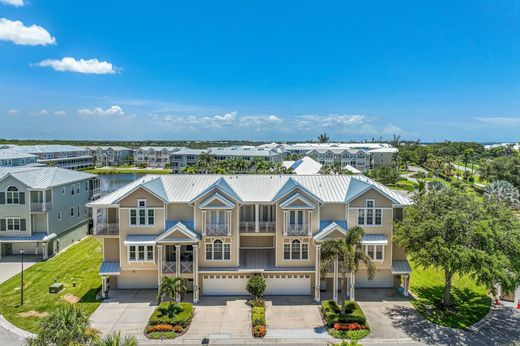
(14, 329)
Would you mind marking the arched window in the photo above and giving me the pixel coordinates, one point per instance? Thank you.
(218, 251)
(12, 195)
(296, 250)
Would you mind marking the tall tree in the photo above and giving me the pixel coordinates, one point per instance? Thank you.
(453, 231)
(174, 288)
(350, 254)
(323, 138)
(503, 191)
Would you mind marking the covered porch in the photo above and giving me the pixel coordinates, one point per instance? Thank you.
(35, 244)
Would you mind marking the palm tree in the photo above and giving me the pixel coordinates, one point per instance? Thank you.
(421, 186)
(174, 288)
(350, 253)
(466, 158)
(115, 339)
(323, 138)
(66, 325)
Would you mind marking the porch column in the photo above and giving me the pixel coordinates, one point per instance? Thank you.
(94, 220)
(159, 263)
(317, 276)
(406, 284)
(335, 282)
(1, 245)
(257, 221)
(352, 286)
(177, 260)
(195, 274)
(45, 251)
(104, 289)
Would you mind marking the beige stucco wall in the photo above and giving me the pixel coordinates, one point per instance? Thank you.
(131, 199)
(380, 200)
(256, 241)
(180, 211)
(333, 211)
(111, 249)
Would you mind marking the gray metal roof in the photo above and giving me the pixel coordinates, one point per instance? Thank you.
(109, 268)
(34, 237)
(254, 187)
(46, 148)
(401, 267)
(44, 177)
(140, 239)
(7, 154)
(374, 239)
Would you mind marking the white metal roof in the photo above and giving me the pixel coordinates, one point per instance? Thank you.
(254, 187)
(303, 166)
(14, 154)
(43, 177)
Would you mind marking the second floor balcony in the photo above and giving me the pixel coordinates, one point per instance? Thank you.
(296, 230)
(217, 229)
(41, 206)
(260, 227)
(106, 228)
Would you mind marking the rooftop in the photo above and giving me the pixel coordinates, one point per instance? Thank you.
(43, 177)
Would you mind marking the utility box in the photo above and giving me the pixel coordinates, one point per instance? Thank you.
(55, 288)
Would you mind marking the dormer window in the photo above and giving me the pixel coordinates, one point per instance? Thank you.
(370, 215)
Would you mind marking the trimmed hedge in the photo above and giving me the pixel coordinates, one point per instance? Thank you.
(353, 314)
(182, 318)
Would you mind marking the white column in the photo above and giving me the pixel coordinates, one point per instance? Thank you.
(0, 250)
(406, 284)
(177, 266)
(335, 282)
(229, 222)
(257, 221)
(94, 219)
(352, 286)
(203, 223)
(44, 206)
(195, 274)
(317, 276)
(104, 290)
(45, 251)
(159, 263)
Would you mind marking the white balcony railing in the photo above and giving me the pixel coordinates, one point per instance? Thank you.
(186, 267)
(296, 229)
(106, 228)
(169, 267)
(217, 229)
(41, 206)
(263, 227)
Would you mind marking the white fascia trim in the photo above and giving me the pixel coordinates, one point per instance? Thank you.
(217, 196)
(286, 204)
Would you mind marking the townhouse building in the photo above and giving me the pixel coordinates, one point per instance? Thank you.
(216, 231)
(357, 158)
(56, 155)
(12, 158)
(185, 157)
(110, 155)
(154, 156)
(42, 209)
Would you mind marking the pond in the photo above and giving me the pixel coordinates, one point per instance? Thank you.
(111, 182)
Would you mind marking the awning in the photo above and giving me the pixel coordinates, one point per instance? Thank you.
(110, 268)
(374, 239)
(140, 239)
(401, 267)
(36, 237)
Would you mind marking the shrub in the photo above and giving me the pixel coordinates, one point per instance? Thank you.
(170, 309)
(161, 335)
(258, 315)
(162, 327)
(257, 302)
(256, 286)
(183, 318)
(178, 329)
(259, 331)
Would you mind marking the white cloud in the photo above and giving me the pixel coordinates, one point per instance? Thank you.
(98, 111)
(68, 64)
(12, 111)
(15, 3)
(60, 113)
(42, 112)
(18, 33)
(499, 121)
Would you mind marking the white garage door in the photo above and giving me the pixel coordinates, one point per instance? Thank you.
(224, 285)
(137, 280)
(382, 279)
(288, 285)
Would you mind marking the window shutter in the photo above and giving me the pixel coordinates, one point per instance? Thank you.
(22, 225)
(21, 198)
(2, 197)
(2, 225)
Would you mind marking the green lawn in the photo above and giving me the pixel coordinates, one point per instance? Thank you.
(79, 263)
(472, 302)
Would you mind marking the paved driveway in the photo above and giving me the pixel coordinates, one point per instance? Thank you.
(126, 311)
(294, 317)
(11, 265)
(219, 318)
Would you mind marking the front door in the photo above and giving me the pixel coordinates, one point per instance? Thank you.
(8, 249)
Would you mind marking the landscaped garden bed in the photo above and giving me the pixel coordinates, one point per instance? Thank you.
(352, 324)
(169, 320)
(258, 319)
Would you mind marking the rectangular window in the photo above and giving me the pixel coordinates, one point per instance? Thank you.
(379, 218)
(375, 252)
(72, 190)
(149, 252)
(209, 252)
(77, 188)
(142, 217)
(133, 217)
(370, 251)
(227, 252)
(63, 189)
(151, 218)
(370, 216)
(141, 203)
(71, 211)
(140, 252)
(59, 215)
(217, 251)
(13, 224)
(286, 251)
(305, 251)
(370, 203)
(379, 252)
(131, 253)
(361, 216)
(295, 250)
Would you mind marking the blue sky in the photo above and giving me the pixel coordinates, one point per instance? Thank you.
(262, 70)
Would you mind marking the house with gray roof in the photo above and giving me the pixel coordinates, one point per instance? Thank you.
(42, 209)
(110, 155)
(56, 155)
(13, 158)
(215, 231)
